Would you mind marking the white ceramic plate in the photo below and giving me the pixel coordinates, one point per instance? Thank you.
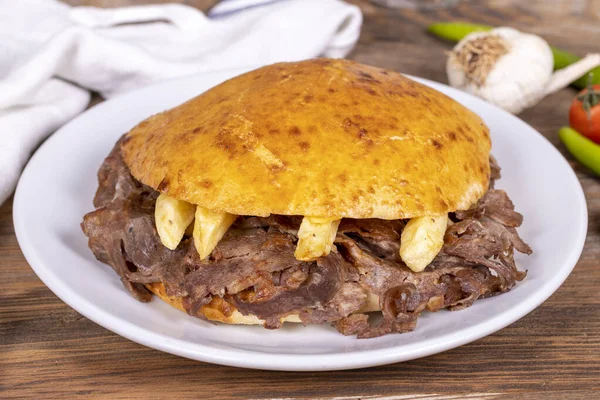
(58, 185)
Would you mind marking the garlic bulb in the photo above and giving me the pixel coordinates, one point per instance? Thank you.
(510, 68)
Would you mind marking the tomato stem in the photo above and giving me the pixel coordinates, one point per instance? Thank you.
(590, 98)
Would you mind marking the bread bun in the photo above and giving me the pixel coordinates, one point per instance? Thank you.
(324, 138)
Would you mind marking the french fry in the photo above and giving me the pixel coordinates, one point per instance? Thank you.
(421, 240)
(209, 228)
(315, 238)
(172, 218)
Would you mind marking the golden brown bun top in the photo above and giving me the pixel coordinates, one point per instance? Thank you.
(324, 138)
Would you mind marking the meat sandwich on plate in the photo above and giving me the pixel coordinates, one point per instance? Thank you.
(311, 192)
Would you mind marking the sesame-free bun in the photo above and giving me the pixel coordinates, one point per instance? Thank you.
(323, 138)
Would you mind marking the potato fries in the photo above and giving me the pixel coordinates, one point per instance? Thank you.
(209, 228)
(172, 218)
(421, 240)
(315, 238)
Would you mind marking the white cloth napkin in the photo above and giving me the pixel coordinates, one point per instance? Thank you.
(51, 55)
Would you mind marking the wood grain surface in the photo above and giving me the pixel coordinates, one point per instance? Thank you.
(50, 351)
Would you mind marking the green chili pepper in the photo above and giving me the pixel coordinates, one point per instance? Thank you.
(582, 148)
(455, 31)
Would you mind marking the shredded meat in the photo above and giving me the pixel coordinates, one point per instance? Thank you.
(253, 268)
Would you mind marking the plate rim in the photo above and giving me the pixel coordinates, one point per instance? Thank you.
(287, 361)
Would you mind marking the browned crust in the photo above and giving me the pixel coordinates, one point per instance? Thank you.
(327, 138)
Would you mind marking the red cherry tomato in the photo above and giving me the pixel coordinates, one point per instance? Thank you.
(584, 115)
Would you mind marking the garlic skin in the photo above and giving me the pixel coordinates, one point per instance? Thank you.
(516, 80)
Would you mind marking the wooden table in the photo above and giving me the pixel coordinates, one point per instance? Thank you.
(49, 350)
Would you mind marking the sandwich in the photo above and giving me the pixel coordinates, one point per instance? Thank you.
(313, 192)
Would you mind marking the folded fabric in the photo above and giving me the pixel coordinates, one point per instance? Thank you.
(52, 55)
